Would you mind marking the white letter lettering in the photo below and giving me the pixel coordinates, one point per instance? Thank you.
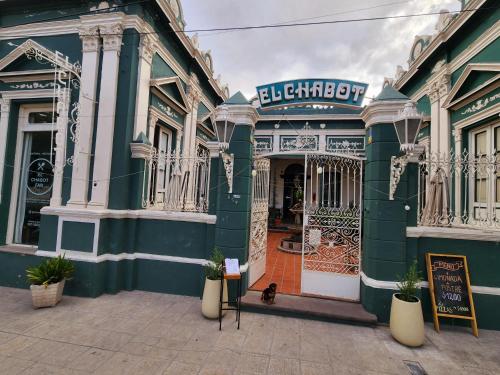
(288, 88)
(264, 96)
(343, 91)
(317, 89)
(329, 90)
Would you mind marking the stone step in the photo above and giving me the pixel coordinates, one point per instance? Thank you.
(310, 308)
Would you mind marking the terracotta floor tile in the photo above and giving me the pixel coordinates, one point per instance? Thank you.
(282, 268)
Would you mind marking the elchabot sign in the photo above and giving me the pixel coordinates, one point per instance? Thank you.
(312, 91)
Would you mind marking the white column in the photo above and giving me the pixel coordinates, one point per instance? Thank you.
(153, 119)
(444, 116)
(112, 42)
(435, 118)
(276, 142)
(458, 177)
(146, 52)
(4, 125)
(63, 100)
(83, 145)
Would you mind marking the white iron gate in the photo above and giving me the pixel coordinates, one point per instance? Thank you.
(331, 247)
(258, 225)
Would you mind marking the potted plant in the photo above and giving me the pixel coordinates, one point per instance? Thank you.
(47, 280)
(407, 321)
(211, 291)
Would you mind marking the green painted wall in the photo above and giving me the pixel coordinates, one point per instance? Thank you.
(48, 233)
(384, 221)
(119, 188)
(77, 236)
(233, 210)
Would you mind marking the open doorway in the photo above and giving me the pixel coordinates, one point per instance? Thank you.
(283, 259)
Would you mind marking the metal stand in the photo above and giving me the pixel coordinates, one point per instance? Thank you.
(223, 277)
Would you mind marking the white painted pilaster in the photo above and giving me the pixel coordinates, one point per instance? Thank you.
(4, 125)
(153, 119)
(63, 103)
(458, 177)
(112, 42)
(146, 52)
(438, 87)
(83, 147)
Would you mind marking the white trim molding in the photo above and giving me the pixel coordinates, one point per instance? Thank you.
(455, 233)
(130, 214)
(95, 241)
(393, 285)
(382, 112)
(87, 257)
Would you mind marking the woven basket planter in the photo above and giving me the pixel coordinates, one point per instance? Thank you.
(47, 296)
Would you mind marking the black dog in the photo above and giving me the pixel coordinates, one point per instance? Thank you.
(268, 294)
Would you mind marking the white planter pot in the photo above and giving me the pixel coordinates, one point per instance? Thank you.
(407, 322)
(46, 296)
(211, 299)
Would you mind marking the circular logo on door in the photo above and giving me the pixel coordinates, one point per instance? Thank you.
(40, 176)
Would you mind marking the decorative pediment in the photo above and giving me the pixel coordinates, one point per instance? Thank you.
(476, 80)
(28, 56)
(171, 89)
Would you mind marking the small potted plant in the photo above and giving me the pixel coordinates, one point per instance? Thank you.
(48, 279)
(407, 321)
(211, 291)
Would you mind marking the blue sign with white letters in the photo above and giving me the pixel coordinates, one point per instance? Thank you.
(320, 91)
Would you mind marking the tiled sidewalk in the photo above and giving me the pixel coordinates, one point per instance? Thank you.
(148, 333)
(282, 268)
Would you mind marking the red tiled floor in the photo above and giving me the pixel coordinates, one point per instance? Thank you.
(282, 268)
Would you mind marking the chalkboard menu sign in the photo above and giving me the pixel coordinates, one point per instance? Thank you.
(450, 290)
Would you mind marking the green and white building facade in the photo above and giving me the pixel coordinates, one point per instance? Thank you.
(109, 154)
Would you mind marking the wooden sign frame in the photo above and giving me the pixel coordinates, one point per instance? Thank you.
(435, 313)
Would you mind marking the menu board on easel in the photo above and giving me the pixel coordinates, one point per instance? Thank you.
(450, 290)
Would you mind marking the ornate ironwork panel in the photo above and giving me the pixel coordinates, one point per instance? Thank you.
(332, 214)
(260, 198)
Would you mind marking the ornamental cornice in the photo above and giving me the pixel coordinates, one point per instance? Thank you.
(239, 113)
(382, 112)
(440, 38)
(111, 36)
(141, 150)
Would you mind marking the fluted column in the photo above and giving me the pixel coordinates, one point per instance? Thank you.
(4, 125)
(112, 42)
(91, 46)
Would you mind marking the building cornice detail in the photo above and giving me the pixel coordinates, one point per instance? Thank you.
(382, 112)
(141, 150)
(239, 113)
(440, 38)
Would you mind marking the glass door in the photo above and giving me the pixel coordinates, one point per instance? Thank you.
(35, 179)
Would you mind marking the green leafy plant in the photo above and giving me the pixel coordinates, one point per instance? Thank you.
(51, 271)
(214, 267)
(408, 284)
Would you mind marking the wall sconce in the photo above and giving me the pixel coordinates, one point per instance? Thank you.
(407, 125)
(224, 128)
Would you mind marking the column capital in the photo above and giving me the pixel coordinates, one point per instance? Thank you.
(90, 38)
(4, 105)
(153, 119)
(112, 35)
(147, 48)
